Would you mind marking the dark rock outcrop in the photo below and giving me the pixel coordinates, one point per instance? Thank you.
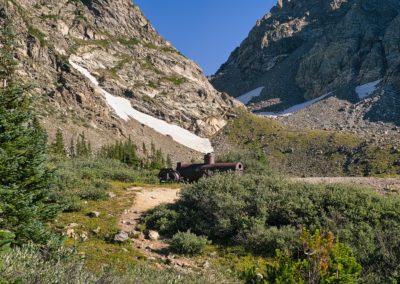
(303, 49)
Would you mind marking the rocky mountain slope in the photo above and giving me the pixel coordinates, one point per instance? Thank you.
(118, 47)
(304, 49)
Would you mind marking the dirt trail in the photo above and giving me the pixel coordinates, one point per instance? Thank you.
(383, 185)
(146, 199)
(149, 198)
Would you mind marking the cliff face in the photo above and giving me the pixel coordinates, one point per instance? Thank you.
(303, 49)
(117, 45)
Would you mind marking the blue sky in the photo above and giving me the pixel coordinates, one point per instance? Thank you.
(206, 31)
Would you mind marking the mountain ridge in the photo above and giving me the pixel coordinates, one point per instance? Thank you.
(122, 50)
(302, 50)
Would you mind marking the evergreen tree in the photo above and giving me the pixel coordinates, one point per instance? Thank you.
(144, 163)
(169, 162)
(152, 149)
(72, 151)
(158, 161)
(24, 176)
(126, 152)
(144, 149)
(58, 146)
(83, 148)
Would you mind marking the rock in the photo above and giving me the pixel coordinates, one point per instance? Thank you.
(72, 225)
(70, 233)
(62, 28)
(96, 231)
(153, 235)
(94, 214)
(121, 237)
(83, 236)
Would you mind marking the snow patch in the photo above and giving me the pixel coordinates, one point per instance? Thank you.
(246, 98)
(293, 109)
(368, 89)
(125, 111)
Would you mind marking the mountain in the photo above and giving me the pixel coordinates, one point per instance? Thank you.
(340, 56)
(99, 67)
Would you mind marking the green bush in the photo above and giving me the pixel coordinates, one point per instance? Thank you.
(6, 238)
(93, 194)
(89, 178)
(322, 260)
(72, 203)
(262, 213)
(162, 219)
(188, 243)
(254, 160)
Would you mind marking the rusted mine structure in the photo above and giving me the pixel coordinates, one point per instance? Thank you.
(193, 172)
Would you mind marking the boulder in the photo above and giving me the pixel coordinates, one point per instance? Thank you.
(72, 225)
(111, 194)
(154, 235)
(84, 236)
(70, 233)
(121, 237)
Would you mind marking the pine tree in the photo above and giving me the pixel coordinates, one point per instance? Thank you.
(169, 162)
(24, 176)
(144, 149)
(152, 149)
(72, 150)
(144, 163)
(83, 148)
(158, 161)
(126, 152)
(58, 146)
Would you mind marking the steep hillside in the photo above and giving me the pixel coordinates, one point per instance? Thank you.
(302, 50)
(133, 78)
(307, 153)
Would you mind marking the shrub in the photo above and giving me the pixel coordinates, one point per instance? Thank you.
(89, 179)
(162, 219)
(72, 203)
(262, 212)
(322, 260)
(6, 238)
(93, 194)
(266, 240)
(254, 160)
(188, 243)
